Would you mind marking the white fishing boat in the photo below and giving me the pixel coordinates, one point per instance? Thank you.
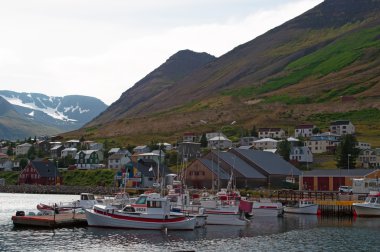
(303, 206)
(151, 211)
(265, 207)
(86, 201)
(370, 207)
(219, 210)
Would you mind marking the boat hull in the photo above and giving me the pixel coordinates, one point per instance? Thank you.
(134, 222)
(310, 209)
(217, 218)
(366, 210)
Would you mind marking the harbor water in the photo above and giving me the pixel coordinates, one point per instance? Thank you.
(287, 233)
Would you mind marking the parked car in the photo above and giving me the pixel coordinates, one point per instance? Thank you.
(345, 189)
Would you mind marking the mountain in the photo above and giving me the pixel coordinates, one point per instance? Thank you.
(164, 78)
(43, 114)
(294, 73)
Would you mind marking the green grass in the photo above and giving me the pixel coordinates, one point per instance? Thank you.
(331, 58)
(11, 177)
(288, 99)
(368, 116)
(88, 177)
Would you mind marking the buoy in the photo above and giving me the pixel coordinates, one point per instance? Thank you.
(319, 212)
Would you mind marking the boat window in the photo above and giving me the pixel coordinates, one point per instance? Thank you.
(141, 200)
(83, 197)
(91, 197)
(154, 204)
(373, 200)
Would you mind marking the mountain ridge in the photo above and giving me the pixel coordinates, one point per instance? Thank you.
(282, 77)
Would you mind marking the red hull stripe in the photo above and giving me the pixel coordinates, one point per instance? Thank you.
(122, 217)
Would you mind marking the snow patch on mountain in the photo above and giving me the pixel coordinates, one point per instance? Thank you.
(73, 109)
(52, 112)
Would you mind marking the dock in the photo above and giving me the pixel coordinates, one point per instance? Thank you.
(51, 221)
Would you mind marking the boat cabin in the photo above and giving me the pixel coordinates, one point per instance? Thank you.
(151, 203)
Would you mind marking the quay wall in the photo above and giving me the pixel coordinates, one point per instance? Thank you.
(51, 189)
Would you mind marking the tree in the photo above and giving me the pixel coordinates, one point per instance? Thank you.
(284, 148)
(10, 151)
(31, 153)
(254, 132)
(204, 141)
(347, 153)
(23, 163)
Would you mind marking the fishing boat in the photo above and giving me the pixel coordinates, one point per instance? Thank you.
(370, 207)
(265, 207)
(87, 200)
(303, 206)
(151, 211)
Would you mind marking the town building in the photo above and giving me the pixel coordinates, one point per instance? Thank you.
(277, 133)
(22, 149)
(342, 127)
(304, 130)
(40, 172)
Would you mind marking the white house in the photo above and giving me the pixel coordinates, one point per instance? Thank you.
(321, 143)
(247, 141)
(165, 146)
(302, 154)
(304, 130)
(141, 149)
(118, 161)
(219, 142)
(363, 146)
(69, 152)
(22, 149)
(271, 133)
(72, 143)
(367, 159)
(265, 143)
(342, 127)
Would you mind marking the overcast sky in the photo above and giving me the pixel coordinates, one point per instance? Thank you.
(101, 48)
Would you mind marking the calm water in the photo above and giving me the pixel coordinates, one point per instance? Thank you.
(290, 233)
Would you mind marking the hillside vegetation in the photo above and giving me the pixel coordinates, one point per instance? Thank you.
(296, 73)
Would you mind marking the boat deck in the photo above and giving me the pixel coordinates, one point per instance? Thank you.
(51, 221)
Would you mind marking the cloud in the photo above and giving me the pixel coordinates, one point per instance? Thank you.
(101, 48)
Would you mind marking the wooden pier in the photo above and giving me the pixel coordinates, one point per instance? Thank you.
(50, 221)
(330, 203)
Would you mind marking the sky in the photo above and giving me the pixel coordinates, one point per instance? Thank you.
(101, 48)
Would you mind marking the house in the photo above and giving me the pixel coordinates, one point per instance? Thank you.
(72, 144)
(40, 172)
(301, 154)
(363, 146)
(119, 151)
(203, 173)
(190, 137)
(265, 143)
(91, 145)
(271, 133)
(342, 127)
(367, 159)
(154, 155)
(304, 130)
(189, 151)
(219, 142)
(149, 170)
(141, 149)
(56, 151)
(214, 134)
(331, 179)
(43, 146)
(6, 164)
(118, 161)
(88, 159)
(22, 149)
(4, 150)
(275, 169)
(247, 141)
(321, 143)
(165, 146)
(72, 152)
(250, 169)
